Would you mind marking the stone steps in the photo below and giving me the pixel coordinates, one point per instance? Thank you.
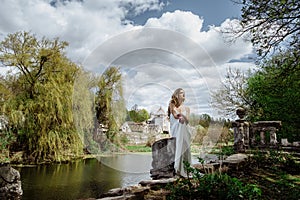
(147, 189)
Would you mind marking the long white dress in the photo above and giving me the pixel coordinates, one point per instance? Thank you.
(182, 134)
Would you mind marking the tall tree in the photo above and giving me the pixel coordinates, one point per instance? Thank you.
(232, 94)
(40, 107)
(4, 92)
(110, 104)
(84, 106)
(271, 24)
(275, 93)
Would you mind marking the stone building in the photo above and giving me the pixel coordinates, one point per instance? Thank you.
(157, 123)
(160, 119)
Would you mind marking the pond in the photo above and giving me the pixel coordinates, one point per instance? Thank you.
(87, 178)
(84, 179)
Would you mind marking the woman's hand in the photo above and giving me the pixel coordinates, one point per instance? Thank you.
(181, 118)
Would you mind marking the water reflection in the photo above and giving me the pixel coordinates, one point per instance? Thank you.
(129, 163)
(84, 179)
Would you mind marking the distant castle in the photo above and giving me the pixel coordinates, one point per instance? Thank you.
(160, 118)
(158, 123)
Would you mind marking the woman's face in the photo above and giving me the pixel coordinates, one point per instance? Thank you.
(181, 96)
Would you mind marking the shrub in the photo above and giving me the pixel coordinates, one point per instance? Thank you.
(211, 186)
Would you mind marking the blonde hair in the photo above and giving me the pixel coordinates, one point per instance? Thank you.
(174, 99)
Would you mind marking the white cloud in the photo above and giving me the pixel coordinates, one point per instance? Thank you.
(83, 24)
(172, 51)
(182, 21)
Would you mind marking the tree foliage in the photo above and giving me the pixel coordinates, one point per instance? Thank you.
(4, 92)
(83, 106)
(205, 120)
(271, 93)
(275, 93)
(139, 115)
(110, 104)
(39, 106)
(232, 94)
(270, 24)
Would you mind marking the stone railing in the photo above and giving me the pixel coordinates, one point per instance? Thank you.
(262, 127)
(248, 134)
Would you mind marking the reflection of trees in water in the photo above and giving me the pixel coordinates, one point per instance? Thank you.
(82, 179)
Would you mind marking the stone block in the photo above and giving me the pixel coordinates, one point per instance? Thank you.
(163, 157)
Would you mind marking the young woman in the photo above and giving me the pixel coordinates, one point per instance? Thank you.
(179, 119)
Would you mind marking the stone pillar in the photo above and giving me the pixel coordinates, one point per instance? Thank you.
(10, 183)
(262, 137)
(266, 126)
(241, 131)
(163, 157)
(246, 134)
(273, 137)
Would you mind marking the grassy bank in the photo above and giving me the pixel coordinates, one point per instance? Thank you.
(138, 148)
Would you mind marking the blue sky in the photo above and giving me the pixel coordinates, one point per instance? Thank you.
(214, 12)
(158, 45)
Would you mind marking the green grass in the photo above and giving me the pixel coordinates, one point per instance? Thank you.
(138, 148)
(218, 149)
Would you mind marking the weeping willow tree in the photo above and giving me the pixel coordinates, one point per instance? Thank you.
(40, 105)
(84, 108)
(110, 105)
(4, 92)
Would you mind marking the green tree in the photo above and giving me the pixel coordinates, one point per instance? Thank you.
(139, 115)
(275, 92)
(133, 115)
(110, 104)
(83, 107)
(4, 92)
(143, 115)
(270, 24)
(40, 106)
(205, 120)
